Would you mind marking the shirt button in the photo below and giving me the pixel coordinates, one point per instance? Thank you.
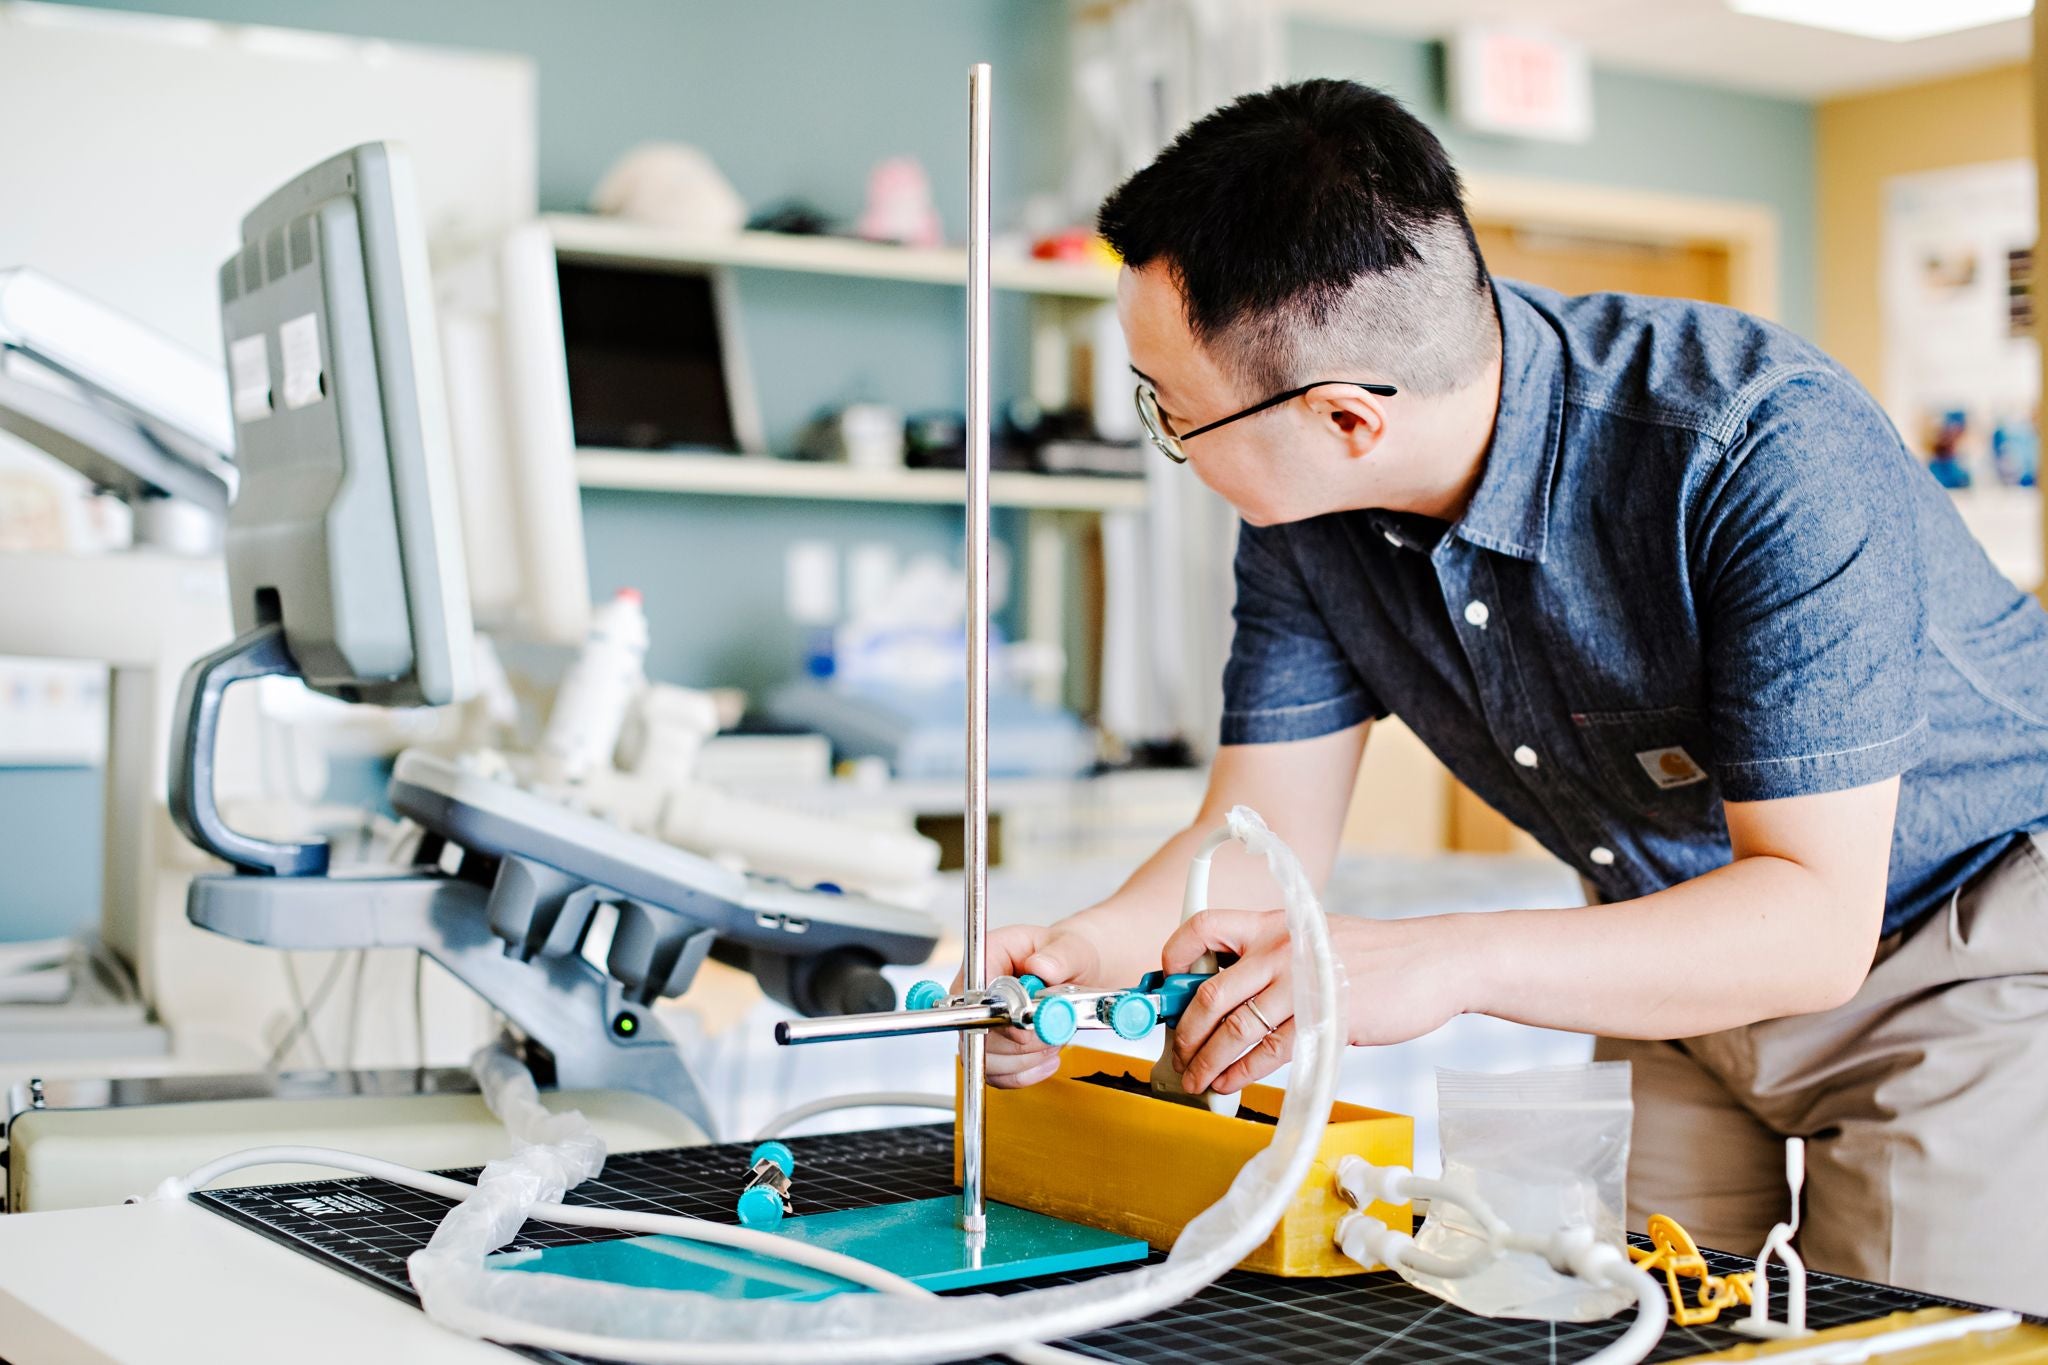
(1525, 756)
(1476, 613)
(1603, 855)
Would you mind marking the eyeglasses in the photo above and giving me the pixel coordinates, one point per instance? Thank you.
(1169, 443)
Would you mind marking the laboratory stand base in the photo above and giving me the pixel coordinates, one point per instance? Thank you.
(366, 1228)
(920, 1240)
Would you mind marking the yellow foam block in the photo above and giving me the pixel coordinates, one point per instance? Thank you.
(1144, 1166)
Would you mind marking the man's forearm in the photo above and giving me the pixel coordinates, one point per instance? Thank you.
(1759, 939)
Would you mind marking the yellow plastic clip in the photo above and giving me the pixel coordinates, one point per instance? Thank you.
(1673, 1253)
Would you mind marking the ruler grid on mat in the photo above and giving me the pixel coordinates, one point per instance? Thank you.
(366, 1228)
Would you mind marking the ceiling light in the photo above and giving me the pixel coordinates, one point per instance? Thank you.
(1898, 21)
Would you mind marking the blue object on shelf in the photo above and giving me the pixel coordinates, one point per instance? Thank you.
(919, 1240)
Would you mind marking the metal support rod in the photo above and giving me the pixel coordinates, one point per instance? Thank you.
(889, 1024)
(974, 939)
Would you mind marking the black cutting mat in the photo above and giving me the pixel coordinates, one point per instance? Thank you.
(367, 1228)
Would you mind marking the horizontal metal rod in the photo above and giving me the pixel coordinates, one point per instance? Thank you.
(890, 1023)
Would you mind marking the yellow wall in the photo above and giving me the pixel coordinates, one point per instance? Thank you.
(2040, 83)
(1863, 140)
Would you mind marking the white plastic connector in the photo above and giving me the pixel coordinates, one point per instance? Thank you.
(1584, 1255)
(1360, 1183)
(1368, 1241)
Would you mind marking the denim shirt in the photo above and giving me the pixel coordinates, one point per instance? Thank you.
(1699, 566)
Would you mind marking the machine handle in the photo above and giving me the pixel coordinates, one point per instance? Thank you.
(261, 653)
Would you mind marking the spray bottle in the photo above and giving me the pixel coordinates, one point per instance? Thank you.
(590, 707)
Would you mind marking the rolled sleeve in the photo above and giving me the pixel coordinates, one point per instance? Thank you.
(1286, 678)
(1808, 571)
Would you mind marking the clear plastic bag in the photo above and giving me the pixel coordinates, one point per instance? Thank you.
(1544, 1149)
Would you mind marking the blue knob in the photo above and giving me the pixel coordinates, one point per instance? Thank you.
(924, 995)
(1131, 1016)
(1054, 1021)
(1032, 985)
(760, 1206)
(777, 1153)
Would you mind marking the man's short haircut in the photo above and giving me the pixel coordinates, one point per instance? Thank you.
(1315, 227)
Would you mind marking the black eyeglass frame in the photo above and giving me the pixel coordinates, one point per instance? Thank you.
(1165, 440)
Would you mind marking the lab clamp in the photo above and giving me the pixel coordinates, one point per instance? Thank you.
(764, 1199)
(1054, 1013)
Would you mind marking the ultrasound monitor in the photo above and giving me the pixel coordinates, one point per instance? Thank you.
(344, 552)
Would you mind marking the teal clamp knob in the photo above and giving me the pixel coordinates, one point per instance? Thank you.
(1174, 991)
(1130, 1016)
(924, 995)
(760, 1206)
(1032, 985)
(777, 1153)
(1054, 1021)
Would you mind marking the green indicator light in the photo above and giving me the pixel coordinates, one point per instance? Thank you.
(625, 1025)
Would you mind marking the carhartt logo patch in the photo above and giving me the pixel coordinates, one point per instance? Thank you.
(1671, 767)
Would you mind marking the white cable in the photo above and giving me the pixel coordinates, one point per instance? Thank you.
(1370, 1242)
(866, 1099)
(1653, 1312)
(1366, 1184)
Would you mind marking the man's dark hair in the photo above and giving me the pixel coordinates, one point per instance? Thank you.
(1318, 226)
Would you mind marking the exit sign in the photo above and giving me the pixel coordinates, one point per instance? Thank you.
(1519, 83)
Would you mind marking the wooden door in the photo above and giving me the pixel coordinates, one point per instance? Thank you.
(1577, 263)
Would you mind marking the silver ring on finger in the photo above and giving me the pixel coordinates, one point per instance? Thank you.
(1258, 1016)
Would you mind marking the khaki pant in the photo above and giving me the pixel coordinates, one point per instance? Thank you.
(1923, 1102)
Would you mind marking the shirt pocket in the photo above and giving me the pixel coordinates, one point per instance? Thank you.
(1653, 763)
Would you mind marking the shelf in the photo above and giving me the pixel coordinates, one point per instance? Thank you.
(757, 476)
(591, 237)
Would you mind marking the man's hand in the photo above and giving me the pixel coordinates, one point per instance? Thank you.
(1056, 955)
(1401, 974)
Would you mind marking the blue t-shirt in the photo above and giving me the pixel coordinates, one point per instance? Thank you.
(1699, 565)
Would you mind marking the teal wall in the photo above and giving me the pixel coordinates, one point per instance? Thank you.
(45, 894)
(1650, 133)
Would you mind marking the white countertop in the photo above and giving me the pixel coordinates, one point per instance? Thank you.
(171, 1283)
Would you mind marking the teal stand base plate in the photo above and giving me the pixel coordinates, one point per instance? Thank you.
(919, 1240)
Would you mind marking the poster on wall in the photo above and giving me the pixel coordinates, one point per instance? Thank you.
(1962, 362)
